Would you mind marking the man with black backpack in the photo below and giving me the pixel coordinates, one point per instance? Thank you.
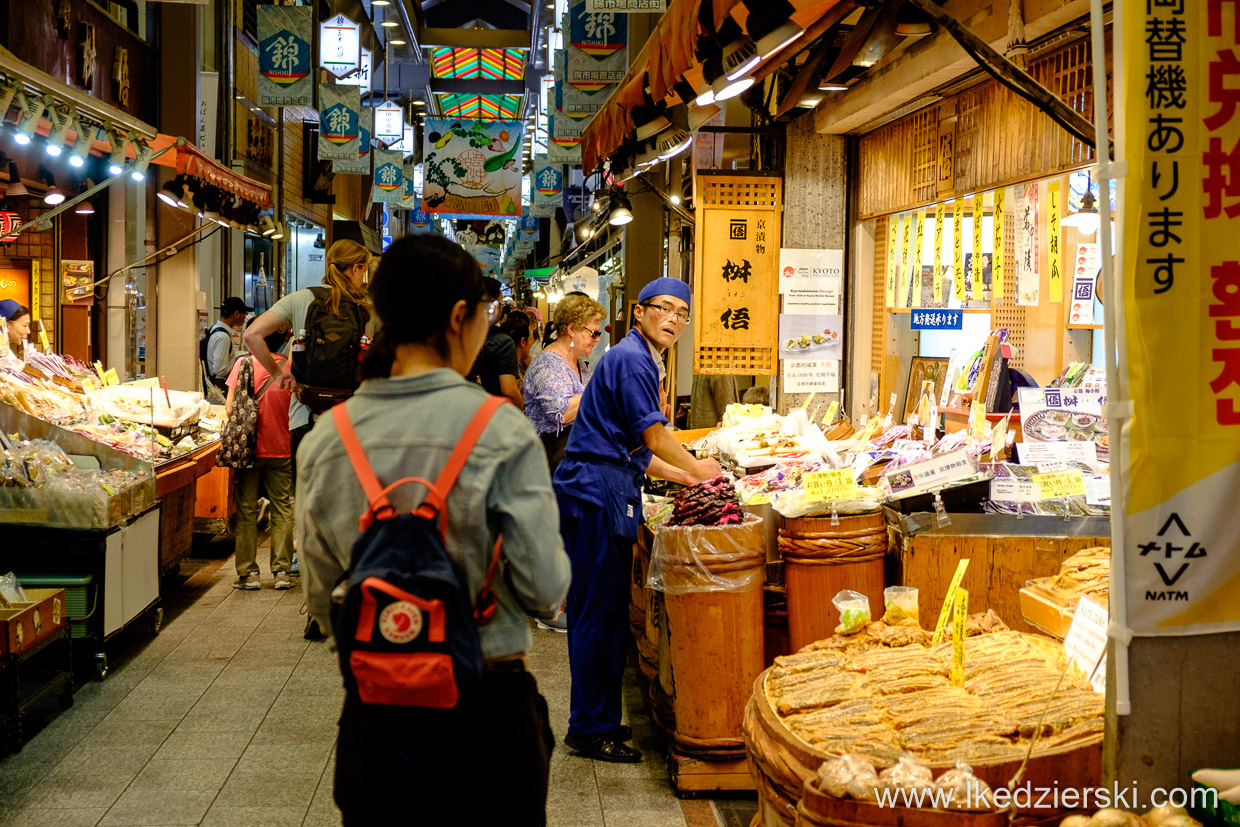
(217, 350)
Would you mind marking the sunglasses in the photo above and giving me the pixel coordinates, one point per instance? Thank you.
(594, 334)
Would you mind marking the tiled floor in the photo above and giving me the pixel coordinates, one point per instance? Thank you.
(228, 717)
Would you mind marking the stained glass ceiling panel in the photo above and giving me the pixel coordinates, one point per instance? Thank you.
(480, 106)
(478, 64)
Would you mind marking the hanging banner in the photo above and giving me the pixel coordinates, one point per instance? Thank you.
(627, 6)
(915, 273)
(975, 275)
(529, 228)
(936, 269)
(419, 220)
(958, 269)
(284, 77)
(893, 263)
(472, 167)
(997, 247)
(596, 33)
(547, 183)
(340, 45)
(1181, 285)
(1085, 276)
(906, 232)
(580, 105)
(339, 121)
(389, 185)
(362, 76)
(1028, 274)
(359, 164)
(1053, 263)
(591, 73)
(389, 123)
(409, 197)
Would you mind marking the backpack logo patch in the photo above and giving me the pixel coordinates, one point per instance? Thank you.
(400, 622)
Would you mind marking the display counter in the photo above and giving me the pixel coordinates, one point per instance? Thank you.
(176, 485)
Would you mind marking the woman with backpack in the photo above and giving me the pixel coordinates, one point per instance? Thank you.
(407, 420)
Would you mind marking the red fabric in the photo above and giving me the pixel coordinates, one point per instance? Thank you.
(273, 438)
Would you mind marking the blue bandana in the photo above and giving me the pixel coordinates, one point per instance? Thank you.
(664, 287)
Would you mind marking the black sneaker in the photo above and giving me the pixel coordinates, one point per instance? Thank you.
(312, 631)
(603, 748)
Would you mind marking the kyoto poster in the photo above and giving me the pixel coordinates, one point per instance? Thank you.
(472, 167)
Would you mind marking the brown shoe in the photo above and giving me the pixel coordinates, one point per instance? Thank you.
(603, 748)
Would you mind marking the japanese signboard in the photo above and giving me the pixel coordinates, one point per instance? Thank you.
(975, 271)
(1181, 307)
(389, 123)
(340, 45)
(284, 63)
(593, 73)
(958, 276)
(1065, 415)
(1028, 273)
(811, 375)
(359, 164)
(362, 77)
(339, 121)
(1084, 279)
(547, 183)
(529, 228)
(626, 6)
(937, 319)
(736, 284)
(997, 244)
(596, 33)
(893, 258)
(389, 185)
(810, 280)
(472, 167)
(940, 216)
(1053, 264)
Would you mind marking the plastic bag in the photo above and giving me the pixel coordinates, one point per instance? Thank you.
(854, 609)
(848, 775)
(794, 503)
(900, 605)
(968, 792)
(12, 589)
(691, 559)
(909, 773)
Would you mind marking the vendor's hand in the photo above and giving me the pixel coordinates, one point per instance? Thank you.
(667, 410)
(287, 382)
(707, 469)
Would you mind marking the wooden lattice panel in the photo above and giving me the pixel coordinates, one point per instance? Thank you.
(878, 329)
(739, 226)
(1005, 312)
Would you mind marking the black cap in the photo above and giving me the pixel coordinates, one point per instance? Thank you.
(232, 304)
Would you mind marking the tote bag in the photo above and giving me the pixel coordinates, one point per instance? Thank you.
(239, 440)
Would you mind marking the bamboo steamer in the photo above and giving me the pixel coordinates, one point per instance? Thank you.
(820, 560)
(783, 764)
(714, 640)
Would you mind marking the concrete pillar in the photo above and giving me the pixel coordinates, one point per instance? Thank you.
(173, 300)
(816, 215)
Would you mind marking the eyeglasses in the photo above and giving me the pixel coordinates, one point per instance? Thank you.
(683, 318)
(493, 311)
(594, 334)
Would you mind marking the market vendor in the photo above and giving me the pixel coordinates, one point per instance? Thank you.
(618, 436)
(18, 319)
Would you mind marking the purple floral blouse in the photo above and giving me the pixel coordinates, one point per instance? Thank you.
(550, 382)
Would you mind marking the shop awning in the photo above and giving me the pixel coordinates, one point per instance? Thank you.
(188, 159)
(669, 55)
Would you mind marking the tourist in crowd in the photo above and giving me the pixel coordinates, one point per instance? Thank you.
(536, 318)
(519, 329)
(617, 437)
(273, 469)
(435, 314)
(496, 367)
(710, 397)
(17, 317)
(221, 349)
(756, 395)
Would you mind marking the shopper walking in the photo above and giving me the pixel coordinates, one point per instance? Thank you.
(496, 367)
(617, 437)
(273, 469)
(218, 350)
(408, 415)
(520, 329)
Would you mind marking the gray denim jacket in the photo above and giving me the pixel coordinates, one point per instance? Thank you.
(408, 426)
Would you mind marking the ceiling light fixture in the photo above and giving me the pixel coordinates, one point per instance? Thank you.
(7, 93)
(172, 192)
(1086, 219)
(389, 24)
(771, 26)
(120, 144)
(31, 111)
(397, 42)
(84, 206)
(740, 57)
(827, 86)
(62, 117)
(266, 225)
(621, 211)
(911, 22)
(16, 188)
(81, 147)
(144, 153)
(53, 196)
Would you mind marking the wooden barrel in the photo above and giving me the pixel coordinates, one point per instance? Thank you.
(820, 560)
(821, 809)
(782, 764)
(776, 608)
(714, 638)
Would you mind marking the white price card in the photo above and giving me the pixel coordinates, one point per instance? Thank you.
(1015, 491)
(1086, 643)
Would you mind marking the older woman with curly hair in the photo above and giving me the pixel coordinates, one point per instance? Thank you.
(554, 382)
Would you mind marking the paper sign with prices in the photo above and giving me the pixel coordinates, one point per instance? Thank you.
(838, 485)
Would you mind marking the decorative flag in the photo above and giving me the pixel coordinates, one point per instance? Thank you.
(359, 164)
(472, 167)
(389, 185)
(409, 199)
(596, 33)
(339, 121)
(362, 76)
(529, 228)
(593, 74)
(580, 105)
(389, 123)
(284, 56)
(627, 6)
(340, 45)
(419, 220)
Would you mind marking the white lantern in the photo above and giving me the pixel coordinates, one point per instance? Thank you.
(340, 45)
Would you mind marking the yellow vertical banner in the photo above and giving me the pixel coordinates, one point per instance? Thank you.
(975, 291)
(36, 289)
(1181, 314)
(960, 617)
(997, 247)
(958, 249)
(893, 249)
(915, 258)
(902, 288)
(936, 268)
(1054, 258)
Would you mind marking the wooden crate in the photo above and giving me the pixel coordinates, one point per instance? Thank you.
(176, 525)
(215, 495)
(1004, 554)
(29, 623)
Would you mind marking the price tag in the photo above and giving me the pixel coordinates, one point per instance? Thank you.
(1098, 491)
(931, 473)
(960, 616)
(832, 409)
(1086, 643)
(998, 440)
(1015, 491)
(110, 377)
(809, 401)
(939, 627)
(43, 340)
(830, 486)
(977, 421)
(99, 370)
(1060, 484)
(760, 499)
(89, 385)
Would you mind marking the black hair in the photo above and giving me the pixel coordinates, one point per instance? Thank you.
(276, 340)
(22, 310)
(419, 280)
(519, 326)
(493, 290)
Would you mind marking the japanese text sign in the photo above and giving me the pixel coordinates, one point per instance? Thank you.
(937, 319)
(339, 121)
(1059, 484)
(389, 181)
(626, 6)
(284, 63)
(837, 485)
(340, 45)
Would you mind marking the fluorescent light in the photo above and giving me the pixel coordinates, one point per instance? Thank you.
(725, 89)
(388, 24)
(395, 42)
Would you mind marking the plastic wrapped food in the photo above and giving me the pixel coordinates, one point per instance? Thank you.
(854, 609)
(900, 605)
(848, 775)
(968, 792)
(1166, 815)
(12, 589)
(1111, 817)
(909, 773)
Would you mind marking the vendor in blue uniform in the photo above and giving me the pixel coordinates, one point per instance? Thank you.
(618, 437)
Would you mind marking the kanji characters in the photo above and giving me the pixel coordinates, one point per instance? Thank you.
(735, 318)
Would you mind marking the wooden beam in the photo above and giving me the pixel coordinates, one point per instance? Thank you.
(476, 38)
(476, 86)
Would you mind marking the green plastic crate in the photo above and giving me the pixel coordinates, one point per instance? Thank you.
(80, 597)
